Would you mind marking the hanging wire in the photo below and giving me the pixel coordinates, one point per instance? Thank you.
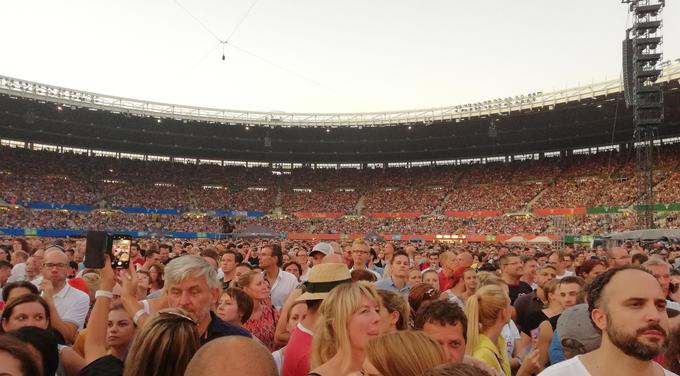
(233, 31)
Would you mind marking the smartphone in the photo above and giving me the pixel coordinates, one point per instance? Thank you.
(120, 251)
(96, 247)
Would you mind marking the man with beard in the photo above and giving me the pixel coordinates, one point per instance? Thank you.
(628, 306)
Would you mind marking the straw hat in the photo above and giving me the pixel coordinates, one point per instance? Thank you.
(323, 278)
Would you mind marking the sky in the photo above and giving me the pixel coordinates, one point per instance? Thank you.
(319, 55)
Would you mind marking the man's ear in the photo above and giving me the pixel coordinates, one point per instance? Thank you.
(215, 294)
(599, 318)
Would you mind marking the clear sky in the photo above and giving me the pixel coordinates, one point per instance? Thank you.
(319, 55)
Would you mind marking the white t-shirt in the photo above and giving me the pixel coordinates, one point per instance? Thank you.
(72, 305)
(284, 284)
(574, 367)
(511, 334)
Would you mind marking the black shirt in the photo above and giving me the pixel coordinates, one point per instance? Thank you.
(220, 328)
(518, 290)
(533, 321)
(525, 306)
(107, 365)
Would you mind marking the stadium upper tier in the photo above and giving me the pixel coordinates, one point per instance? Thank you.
(587, 116)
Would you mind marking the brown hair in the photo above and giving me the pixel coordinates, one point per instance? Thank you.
(18, 350)
(23, 299)
(405, 353)
(243, 301)
(164, 346)
(455, 369)
(394, 302)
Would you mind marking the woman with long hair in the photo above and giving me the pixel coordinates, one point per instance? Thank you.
(263, 319)
(297, 313)
(487, 312)
(349, 318)
(164, 345)
(470, 282)
(31, 310)
(120, 331)
(156, 279)
(394, 312)
(406, 353)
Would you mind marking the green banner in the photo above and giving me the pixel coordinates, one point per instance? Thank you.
(660, 207)
(603, 210)
(582, 239)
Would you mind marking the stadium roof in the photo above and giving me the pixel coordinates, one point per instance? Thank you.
(584, 117)
(497, 106)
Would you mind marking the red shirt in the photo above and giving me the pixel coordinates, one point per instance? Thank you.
(446, 283)
(296, 359)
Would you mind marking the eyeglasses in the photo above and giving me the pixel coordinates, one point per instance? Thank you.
(177, 314)
(50, 265)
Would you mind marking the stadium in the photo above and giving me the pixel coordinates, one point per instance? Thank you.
(550, 166)
(383, 188)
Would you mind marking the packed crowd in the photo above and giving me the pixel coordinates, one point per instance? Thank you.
(593, 224)
(604, 179)
(210, 307)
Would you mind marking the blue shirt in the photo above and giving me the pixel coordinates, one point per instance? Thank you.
(388, 284)
(219, 328)
(555, 351)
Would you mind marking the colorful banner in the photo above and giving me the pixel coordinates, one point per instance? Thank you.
(318, 215)
(53, 206)
(148, 211)
(468, 214)
(395, 215)
(560, 211)
(236, 213)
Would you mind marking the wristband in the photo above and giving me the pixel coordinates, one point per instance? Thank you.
(137, 315)
(103, 293)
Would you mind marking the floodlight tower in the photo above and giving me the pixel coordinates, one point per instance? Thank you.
(641, 60)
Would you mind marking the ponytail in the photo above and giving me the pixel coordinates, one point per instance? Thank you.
(472, 313)
(482, 310)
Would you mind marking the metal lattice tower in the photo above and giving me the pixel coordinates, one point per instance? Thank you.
(642, 57)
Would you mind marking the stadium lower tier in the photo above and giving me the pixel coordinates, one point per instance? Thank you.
(19, 221)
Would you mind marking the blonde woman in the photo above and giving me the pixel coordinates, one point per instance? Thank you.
(349, 318)
(487, 312)
(407, 353)
(470, 283)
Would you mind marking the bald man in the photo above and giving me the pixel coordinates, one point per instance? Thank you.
(235, 355)
(68, 305)
(617, 257)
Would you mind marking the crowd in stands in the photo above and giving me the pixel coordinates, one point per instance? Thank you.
(319, 202)
(603, 179)
(403, 200)
(594, 224)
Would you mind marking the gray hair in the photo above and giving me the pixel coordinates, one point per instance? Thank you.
(189, 266)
